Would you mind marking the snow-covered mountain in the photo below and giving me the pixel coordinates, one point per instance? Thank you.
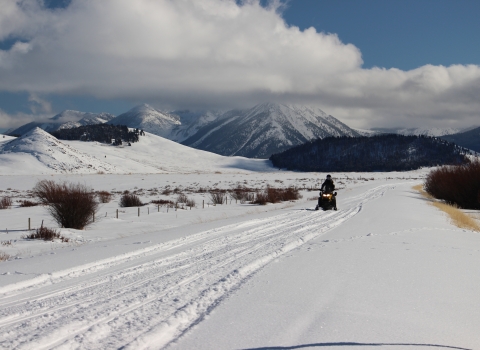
(191, 122)
(436, 132)
(468, 138)
(88, 119)
(64, 120)
(367, 132)
(148, 119)
(38, 152)
(176, 125)
(265, 129)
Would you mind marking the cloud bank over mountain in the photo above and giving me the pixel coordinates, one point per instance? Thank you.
(219, 54)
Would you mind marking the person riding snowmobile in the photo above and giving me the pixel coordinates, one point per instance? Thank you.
(327, 187)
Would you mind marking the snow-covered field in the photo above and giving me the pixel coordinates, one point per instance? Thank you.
(387, 270)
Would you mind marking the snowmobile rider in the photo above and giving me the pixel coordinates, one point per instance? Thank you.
(328, 187)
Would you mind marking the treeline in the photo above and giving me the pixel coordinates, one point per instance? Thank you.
(389, 152)
(104, 133)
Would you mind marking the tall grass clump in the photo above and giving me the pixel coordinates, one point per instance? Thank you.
(71, 205)
(5, 203)
(130, 200)
(456, 185)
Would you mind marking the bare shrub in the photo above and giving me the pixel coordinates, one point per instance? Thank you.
(27, 203)
(70, 205)
(162, 202)
(217, 197)
(5, 203)
(243, 194)
(459, 185)
(290, 194)
(47, 234)
(182, 198)
(261, 198)
(190, 202)
(104, 196)
(7, 243)
(130, 200)
(166, 191)
(4, 256)
(276, 195)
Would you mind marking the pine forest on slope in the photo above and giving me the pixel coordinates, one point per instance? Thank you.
(377, 153)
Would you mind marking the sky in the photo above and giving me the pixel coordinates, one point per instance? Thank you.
(370, 63)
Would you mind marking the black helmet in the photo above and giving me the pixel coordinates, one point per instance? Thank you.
(329, 176)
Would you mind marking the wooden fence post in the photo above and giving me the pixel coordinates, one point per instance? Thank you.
(117, 213)
(29, 224)
(138, 211)
(203, 204)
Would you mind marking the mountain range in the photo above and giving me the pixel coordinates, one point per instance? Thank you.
(256, 132)
(64, 120)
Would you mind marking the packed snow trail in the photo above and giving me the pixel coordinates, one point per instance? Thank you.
(150, 297)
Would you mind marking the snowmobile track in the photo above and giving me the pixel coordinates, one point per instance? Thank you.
(148, 298)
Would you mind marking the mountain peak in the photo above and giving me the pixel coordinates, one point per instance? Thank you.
(147, 118)
(142, 108)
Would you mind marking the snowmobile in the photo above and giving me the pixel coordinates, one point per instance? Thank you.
(327, 201)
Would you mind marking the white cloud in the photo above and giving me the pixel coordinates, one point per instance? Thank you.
(39, 105)
(8, 121)
(216, 53)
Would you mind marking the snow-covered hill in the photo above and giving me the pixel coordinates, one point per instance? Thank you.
(265, 129)
(64, 120)
(155, 154)
(38, 152)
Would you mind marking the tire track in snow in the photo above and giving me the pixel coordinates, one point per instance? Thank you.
(147, 298)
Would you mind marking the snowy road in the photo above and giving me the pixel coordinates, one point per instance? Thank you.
(151, 296)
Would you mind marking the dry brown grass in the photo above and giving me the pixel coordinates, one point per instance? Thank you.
(422, 191)
(459, 218)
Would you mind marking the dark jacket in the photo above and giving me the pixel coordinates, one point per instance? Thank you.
(328, 186)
